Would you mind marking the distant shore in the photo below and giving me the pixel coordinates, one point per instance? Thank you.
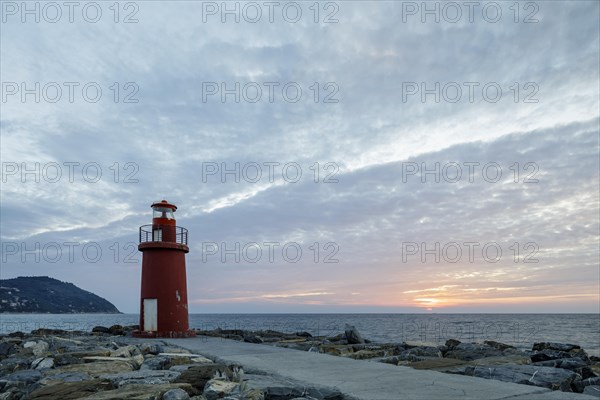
(61, 313)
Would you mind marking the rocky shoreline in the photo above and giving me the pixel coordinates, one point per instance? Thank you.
(556, 366)
(108, 363)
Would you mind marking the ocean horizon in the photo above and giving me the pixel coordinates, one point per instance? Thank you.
(519, 330)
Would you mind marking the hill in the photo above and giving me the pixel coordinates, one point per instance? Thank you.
(41, 294)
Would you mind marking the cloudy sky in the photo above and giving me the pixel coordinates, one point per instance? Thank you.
(449, 159)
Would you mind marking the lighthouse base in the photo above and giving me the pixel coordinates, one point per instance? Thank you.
(165, 334)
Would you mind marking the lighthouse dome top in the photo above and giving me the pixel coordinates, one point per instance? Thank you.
(163, 209)
(164, 203)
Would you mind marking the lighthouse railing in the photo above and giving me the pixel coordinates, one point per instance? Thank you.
(163, 233)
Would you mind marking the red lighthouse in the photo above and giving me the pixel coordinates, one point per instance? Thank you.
(163, 308)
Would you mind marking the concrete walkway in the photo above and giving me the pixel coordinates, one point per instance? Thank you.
(364, 380)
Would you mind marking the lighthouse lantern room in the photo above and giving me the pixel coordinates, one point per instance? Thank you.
(163, 305)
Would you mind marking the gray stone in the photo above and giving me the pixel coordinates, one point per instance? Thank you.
(199, 375)
(38, 348)
(593, 390)
(499, 346)
(12, 393)
(7, 348)
(420, 353)
(573, 364)
(125, 351)
(142, 377)
(139, 392)
(547, 377)
(217, 389)
(116, 330)
(352, 335)
(546, 355)
(93, 368)
(278, 388)
(69, 390)
(252, 339)
(176, 394)
(14, 363)
(472, 351)
(156, 363)
(43, 363)
(67, 377)
(100, 329)
(20, 378)
(151, 348)
(582, 384)
(554, 346)
(451, 344)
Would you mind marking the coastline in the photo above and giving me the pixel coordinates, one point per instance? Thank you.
(108, 363)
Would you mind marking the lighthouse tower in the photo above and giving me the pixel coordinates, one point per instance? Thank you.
(163, 308)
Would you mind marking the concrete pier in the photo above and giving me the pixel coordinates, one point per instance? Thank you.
(365, 380)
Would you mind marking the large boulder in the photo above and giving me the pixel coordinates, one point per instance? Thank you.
(592, 390)
(544, 351)
(546, 355)
(279, 388)
(199, 375)
(100, 330)
(539, 346)
(135, 361)
(156, 363)
(352, 335)
(500, 346)
(217, 389)
(420, 353)
(176, 394)
(65, 377)
(14, 363)
(577, 365)
(365, 354)
(336, 349)
(472, 351)
(76, 356)
(12, 393)
(547, 377)
(20, 379)
(93, 369)
(140, 392)
(451, 344)
(117, 330)
(69, 390)
(39, 348)
(6, 349)
(142, 377)
(580, 386)
(125, 351)
(43, 363)
(151, 348)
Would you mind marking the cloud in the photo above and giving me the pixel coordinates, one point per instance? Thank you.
(370, 140)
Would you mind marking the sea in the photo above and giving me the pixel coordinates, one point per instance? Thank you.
(519, 330)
